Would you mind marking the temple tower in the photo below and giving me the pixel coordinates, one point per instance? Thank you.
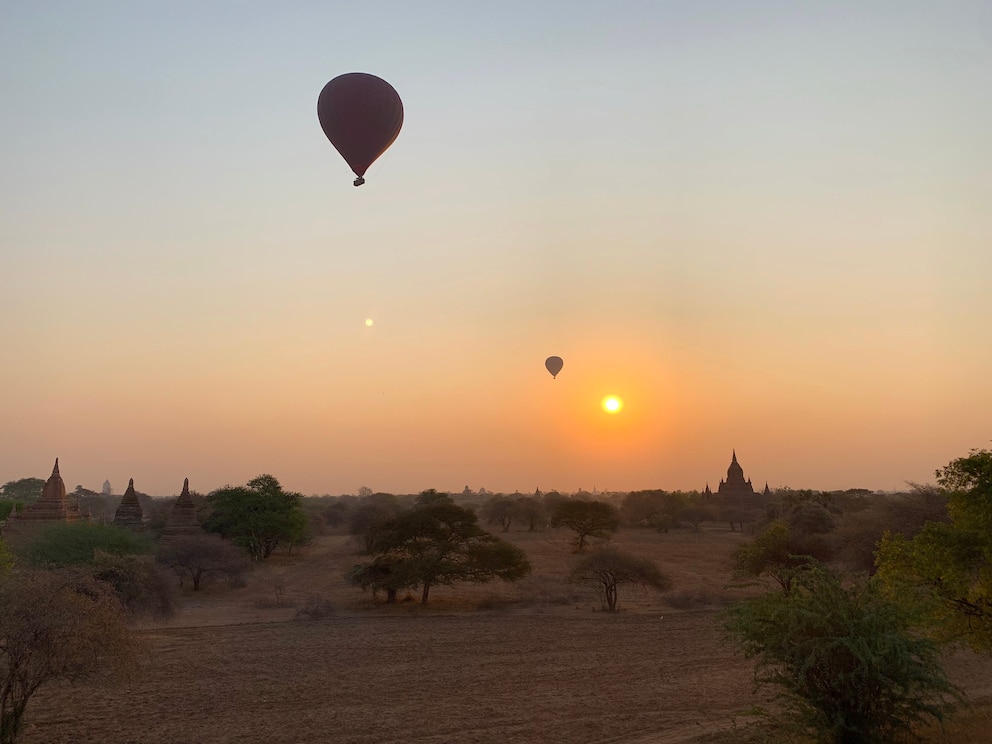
(129, 513)
(52, 506)
(182, 520)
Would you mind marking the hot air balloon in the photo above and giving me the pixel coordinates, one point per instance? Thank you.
(554, 365)
(361, 115)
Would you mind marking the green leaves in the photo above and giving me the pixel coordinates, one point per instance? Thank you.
(849, 664)
(258, 517)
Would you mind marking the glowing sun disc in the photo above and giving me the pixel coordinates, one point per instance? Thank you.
(612, 404)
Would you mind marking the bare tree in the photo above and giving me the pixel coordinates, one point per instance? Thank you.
(198, 556)
(56, 626)
(608, 568)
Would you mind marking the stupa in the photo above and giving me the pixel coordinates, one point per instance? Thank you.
(129, 513)
(182, 519)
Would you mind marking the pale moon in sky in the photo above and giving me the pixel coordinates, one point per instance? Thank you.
(368, 322)
(612, 404)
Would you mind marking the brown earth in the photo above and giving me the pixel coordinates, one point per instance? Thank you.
(524, 663)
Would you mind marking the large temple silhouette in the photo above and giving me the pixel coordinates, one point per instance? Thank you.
(735, 489)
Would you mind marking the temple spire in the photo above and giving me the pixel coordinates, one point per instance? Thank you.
(55, 470)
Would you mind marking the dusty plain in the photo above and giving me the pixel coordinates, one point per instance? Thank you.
(527, 663)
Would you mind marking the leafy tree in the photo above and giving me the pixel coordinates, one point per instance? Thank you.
(438, 542)
(56, 627)
(946, 568)
(369, 517)
(777, 552)
(258, 517)
(530, 510)
(76, 543)
(587, 519)
(25, 490)
(851, 670)
(499, 510)
(198, 556)
(695, 514)
(608, 568)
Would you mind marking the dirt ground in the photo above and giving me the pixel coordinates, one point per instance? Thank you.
(525, 663)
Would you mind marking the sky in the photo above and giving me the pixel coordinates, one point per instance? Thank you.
(766, 226)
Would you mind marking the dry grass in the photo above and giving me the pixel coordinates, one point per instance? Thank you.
(525, 663)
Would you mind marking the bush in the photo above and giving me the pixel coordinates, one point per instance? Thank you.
(852, 671)
(76, 543)
(315, 608)
(139, 582)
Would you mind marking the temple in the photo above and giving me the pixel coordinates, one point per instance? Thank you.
(736, 490)
(129, 513)
(52, 506)
(182, 520)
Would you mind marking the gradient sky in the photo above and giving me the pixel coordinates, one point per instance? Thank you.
(766, 226)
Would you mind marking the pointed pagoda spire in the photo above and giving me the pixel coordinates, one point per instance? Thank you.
(129, 512)
(182, 518)
(55, 470)
(733, 457)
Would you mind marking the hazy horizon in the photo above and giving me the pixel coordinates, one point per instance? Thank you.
(764, 228)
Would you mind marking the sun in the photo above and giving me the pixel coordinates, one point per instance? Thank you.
(612, 404)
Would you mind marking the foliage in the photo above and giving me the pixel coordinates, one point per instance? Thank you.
(530, 510)
(26, 490)
(695, 514)
(437, 543)
(56, 627)
(258, 517)
(6, 559)
(650, 508)
(777, 552)
(76, 543)
(315, 608)
(7, 506)
(587, 519)
(138, 582)
(609, 568)
(851, 671)
(198, 556)
(499, 510)
(946, 568)
(374, 511)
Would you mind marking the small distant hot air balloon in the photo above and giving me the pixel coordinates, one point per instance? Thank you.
(554, 365)
(361, 115)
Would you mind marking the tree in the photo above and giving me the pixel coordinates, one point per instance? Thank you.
(435, 543)
(56, 627)
(258, 517)
(530, 510)
(777, 552)
(608, 568)
(499, 510)
(852, 670)
(946, 568)
(587, 519)
(25, 490)
(139, 582)
(695, 514)
(199, 556)
(6, 559)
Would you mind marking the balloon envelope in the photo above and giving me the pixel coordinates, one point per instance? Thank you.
(361, 115)
(554, 365)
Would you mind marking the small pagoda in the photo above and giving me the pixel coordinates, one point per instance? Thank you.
(182, 519)
(129, 514)
(52, 506)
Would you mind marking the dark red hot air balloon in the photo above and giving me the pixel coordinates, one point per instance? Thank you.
(554, 365)
(361, 115)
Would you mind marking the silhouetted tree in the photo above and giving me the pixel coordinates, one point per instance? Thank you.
(587, 519)
(499, 510)
(607, 569)
(199, 556)
(435, 543)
